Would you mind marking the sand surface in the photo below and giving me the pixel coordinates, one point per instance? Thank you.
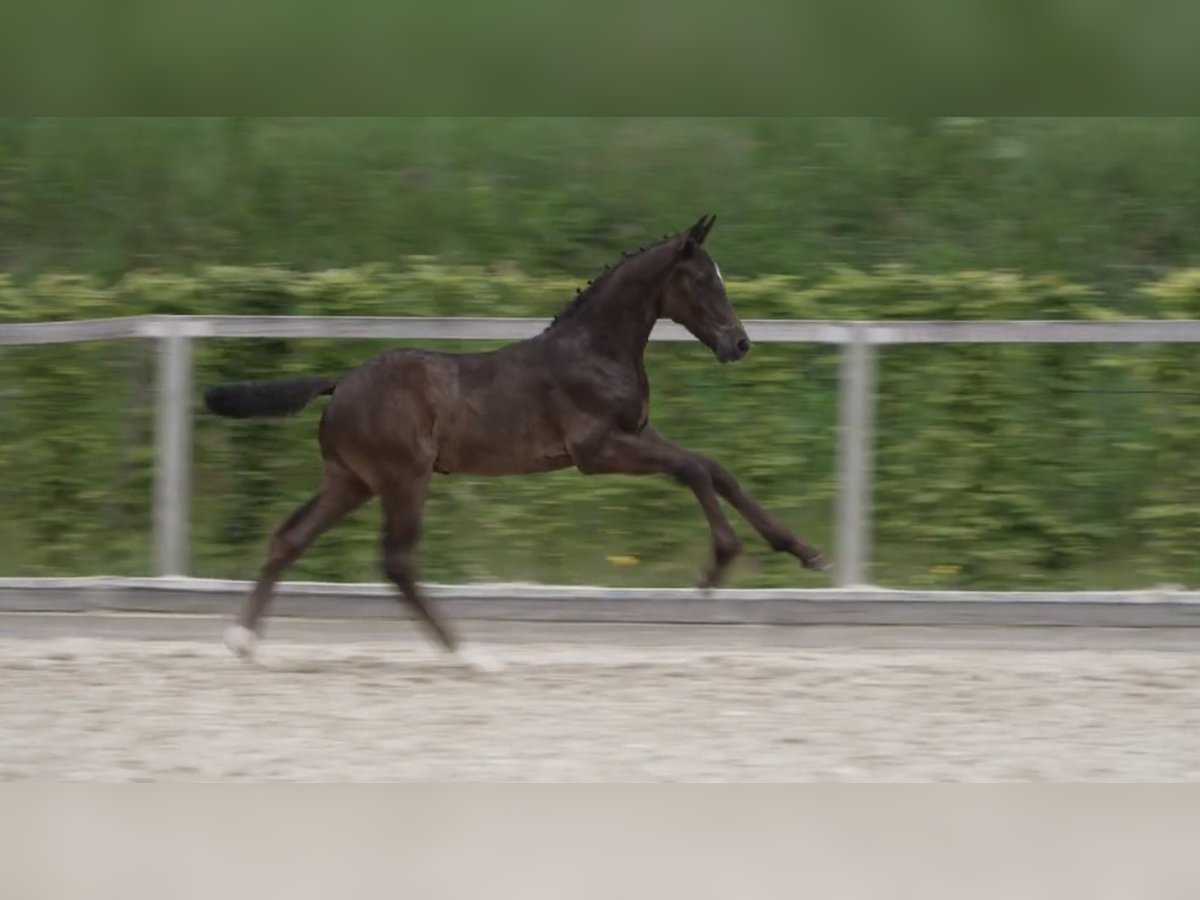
(117, 708)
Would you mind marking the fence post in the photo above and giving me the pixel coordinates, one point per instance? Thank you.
(173, 452)
(856, 412)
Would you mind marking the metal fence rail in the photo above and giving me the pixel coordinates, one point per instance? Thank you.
(859, 342)
(583, 605)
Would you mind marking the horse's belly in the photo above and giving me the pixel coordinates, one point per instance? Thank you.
(501, 464)
(499, 446)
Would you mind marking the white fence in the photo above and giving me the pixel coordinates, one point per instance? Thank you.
(859, 342)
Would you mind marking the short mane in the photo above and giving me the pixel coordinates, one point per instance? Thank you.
(592, 288)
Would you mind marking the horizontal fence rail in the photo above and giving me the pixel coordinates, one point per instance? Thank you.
(858, 340)
(779, 331)
(582, 605)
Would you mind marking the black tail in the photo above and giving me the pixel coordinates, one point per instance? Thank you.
(266, 398)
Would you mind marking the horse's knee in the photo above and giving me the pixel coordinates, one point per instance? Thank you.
(725, 546)
(395, 566)
(722, 480)
(690, 472)
(282, 550)
(398, 564)
(284, 542)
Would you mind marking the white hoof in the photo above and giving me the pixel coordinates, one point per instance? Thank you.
(241, 640)
(478, 660)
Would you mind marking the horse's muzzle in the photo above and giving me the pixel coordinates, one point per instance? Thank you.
(732, 346)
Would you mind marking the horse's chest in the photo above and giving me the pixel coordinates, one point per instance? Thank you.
(633, 412)
(643, 399)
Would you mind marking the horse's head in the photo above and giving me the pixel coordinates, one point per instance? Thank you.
(694, 296)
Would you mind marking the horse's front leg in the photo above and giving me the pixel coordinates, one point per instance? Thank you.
(649, 453)
(775, 533)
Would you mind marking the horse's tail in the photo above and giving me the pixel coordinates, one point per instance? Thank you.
(266, 398)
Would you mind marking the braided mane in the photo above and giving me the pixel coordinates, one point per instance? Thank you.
(593, 287)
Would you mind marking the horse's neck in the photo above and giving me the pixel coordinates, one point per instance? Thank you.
(622, 329)
(618, 322)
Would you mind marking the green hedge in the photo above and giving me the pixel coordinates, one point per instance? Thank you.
(1108, 201)
(996, 466)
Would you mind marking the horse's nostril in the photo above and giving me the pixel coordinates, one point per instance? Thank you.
(743, 346)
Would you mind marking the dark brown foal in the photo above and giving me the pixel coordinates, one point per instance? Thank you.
(574, 395)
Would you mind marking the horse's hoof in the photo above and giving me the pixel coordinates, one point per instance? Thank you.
(713, 578)
(478, 660)
(242, 641)
(818, 563)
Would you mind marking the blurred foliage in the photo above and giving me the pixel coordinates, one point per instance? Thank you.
(523, 55)
(996, 466)
(1106, 202)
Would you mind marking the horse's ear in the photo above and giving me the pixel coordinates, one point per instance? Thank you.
(700, 230)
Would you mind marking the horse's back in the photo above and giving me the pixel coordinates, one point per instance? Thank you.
(503, 418)
(486, 413)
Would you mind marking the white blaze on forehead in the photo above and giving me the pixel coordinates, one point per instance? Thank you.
(720, 277)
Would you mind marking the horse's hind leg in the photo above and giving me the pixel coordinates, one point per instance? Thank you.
(403, 502)
(340, 495)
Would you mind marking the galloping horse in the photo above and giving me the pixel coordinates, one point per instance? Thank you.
(574, 395)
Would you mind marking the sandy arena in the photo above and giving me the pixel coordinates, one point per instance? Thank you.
(159, 698)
